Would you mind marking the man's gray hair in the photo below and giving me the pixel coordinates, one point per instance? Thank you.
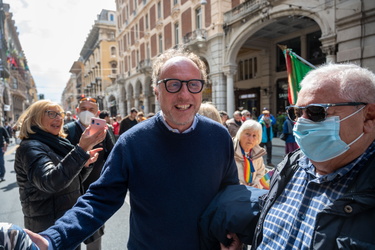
(356, 84)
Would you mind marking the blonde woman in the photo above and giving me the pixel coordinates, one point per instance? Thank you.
(248, 154)
(49, 169)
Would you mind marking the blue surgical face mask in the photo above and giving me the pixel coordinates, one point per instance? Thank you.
(320, 141)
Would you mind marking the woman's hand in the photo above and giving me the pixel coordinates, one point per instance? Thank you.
(88, 141)
(235, 245)
(39, 240)
(94, 153)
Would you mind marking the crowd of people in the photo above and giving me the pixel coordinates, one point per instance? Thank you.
(186, 158)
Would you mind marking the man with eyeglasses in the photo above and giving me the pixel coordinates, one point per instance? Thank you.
(87, 108)
(322, 196)
(173, 164)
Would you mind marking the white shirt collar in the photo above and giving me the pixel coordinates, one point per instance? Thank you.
(174, 130)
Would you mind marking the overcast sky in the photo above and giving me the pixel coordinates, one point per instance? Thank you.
(52, 34)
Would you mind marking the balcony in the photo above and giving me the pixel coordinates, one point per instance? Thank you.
(196, 39)
(144, 66)
(248, 8)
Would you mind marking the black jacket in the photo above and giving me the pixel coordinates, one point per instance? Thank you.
(74, 132)
(49, 184)
(345, 224)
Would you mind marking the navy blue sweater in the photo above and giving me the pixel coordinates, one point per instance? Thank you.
(171, 179)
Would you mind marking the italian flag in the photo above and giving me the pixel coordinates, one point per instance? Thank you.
(297, 68)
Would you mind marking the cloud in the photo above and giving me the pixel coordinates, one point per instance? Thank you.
(52, 34)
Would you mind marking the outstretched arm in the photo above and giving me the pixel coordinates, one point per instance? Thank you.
(39, 240)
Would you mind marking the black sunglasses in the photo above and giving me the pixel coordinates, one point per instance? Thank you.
(316, 112)
(52, 114)
(174, 85)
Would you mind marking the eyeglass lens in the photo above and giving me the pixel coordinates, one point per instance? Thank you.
(174, 85)
(52, 114)
(314, 113)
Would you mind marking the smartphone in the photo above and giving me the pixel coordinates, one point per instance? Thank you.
(97, 124)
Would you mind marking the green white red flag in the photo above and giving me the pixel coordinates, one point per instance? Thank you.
(297, 68)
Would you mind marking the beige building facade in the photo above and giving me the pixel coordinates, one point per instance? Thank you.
(17, 87)
(238, 40)
(96, 69)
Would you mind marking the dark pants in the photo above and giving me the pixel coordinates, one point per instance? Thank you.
(2, 164)
(268, 146)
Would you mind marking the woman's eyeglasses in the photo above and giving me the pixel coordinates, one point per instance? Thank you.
(88, 99)
(53, 114)
(316, 112)
(174, 85)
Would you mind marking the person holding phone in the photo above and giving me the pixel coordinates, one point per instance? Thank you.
(49, 169)
(88, 109)
(168, 163)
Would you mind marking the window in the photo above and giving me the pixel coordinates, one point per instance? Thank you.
(113, 51)
(160, 43)
(175, 2)
(114, 68)
(146, 21)
(111, 17)
(159, 10)
(148, 51)
(136, 31)
(176, 33)
(247, 69)
(198, 18)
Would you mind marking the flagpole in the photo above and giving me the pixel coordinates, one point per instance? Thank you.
(284, 47)
(303, 60)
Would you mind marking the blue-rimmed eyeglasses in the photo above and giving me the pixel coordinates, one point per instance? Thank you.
(174, 85)
(316, 112)
(53, 114)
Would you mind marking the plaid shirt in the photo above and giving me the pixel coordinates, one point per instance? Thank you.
(290, 222)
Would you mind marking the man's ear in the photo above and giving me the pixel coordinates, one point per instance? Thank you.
(369, 122)
(156, 91)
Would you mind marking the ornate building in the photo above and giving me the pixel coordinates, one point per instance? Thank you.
(239, 41)
(96, 69)
(17, 86)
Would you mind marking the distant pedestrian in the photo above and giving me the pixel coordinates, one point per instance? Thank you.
(290, 142)
(4, 141)
(9, 129)
(129, 121)
(224, 117)
(68, 117)
(116, 126)
(267, 134)
(234, 123)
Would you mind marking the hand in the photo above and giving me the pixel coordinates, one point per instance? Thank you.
(87, 141)
(39, 240)
(235, 245)
(94, 153)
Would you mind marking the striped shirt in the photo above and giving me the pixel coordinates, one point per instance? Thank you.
(290, 222)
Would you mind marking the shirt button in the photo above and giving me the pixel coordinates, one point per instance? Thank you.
(301, 216)
(348, 209)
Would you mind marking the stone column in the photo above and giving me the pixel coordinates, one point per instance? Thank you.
(330, 52)
(329, 47)
(146, 104)
(229, 71)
